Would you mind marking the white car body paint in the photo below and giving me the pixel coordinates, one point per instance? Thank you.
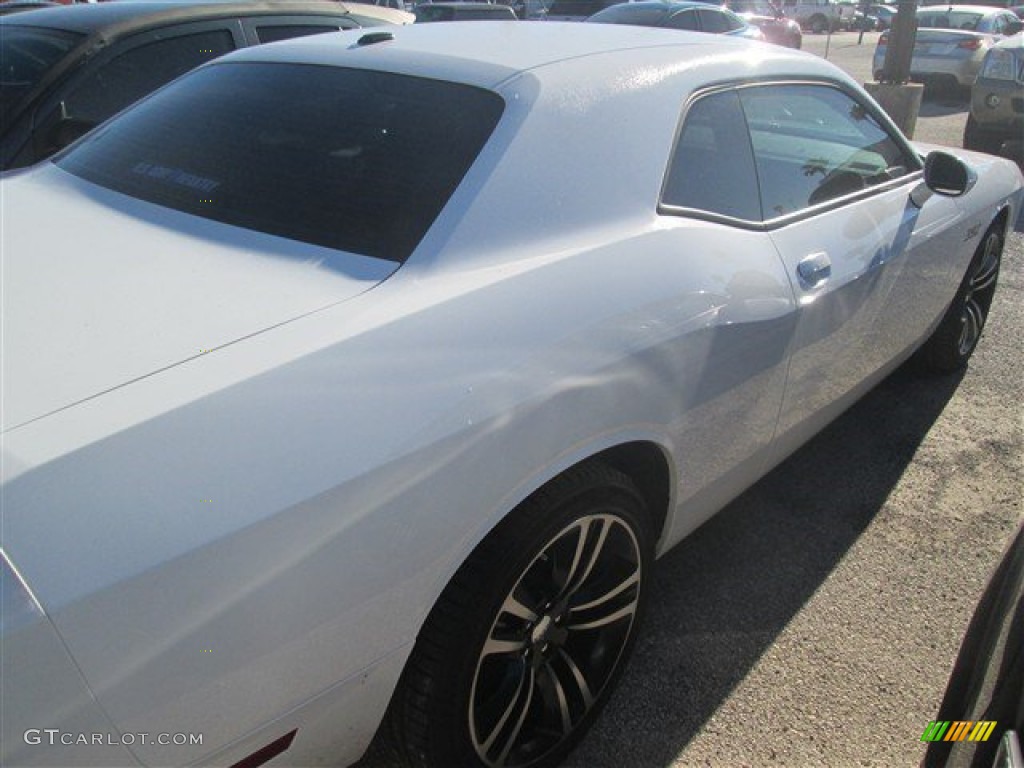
(243, 541)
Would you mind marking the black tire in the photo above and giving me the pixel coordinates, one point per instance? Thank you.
(525, 644)
(975, 138)
(818, 24)
(950, 347)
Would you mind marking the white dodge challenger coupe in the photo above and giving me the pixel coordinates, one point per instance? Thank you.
(355, 383)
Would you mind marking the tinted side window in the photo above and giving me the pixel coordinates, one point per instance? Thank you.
(814, 143)
(712, 168)
(428, 12)
(26, 55)
(272, 34)
(712, 21)
(136, 73)
(684, 20)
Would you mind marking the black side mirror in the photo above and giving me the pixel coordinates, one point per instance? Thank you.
(948, 175)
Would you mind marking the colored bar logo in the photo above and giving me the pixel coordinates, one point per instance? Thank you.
(958, 730)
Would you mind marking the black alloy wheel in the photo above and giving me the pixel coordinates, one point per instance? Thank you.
(951, 345)
(524, 646)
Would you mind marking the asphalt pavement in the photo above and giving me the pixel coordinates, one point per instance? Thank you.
(814, 621)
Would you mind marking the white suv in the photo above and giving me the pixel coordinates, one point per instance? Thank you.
(814, 15)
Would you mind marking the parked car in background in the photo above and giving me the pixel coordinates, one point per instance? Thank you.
(769, 18)
(463, 11)
(689, 15)
(951, 42)
(67, 69)
(17, 6)
(885, 15)
(305, 430)
(817, 16)
(997, 100)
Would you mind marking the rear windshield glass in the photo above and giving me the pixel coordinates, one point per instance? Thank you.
(350, 159)
(947, 19)
(26, 54)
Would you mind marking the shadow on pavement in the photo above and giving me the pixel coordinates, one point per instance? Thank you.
(723, 595)
(943, 104)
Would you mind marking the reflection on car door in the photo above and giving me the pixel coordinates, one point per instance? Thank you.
(835, 192)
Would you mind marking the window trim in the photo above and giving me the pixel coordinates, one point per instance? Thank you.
(767, 225)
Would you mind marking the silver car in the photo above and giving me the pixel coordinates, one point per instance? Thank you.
(951, 43)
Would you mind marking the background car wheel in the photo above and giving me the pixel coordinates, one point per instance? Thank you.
(974, 138)
(950, 346)
(818, 24)
(525, 644)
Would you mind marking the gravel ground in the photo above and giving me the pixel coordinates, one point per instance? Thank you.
(815, 620)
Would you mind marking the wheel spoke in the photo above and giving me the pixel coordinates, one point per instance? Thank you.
(518, 609)
(579, 681)
(987, 271)
(527, 697)
(497, 646)
(629, 581)
(587, 554)
(518, 706)
(983, 280)
(626, 610)
(561, 701)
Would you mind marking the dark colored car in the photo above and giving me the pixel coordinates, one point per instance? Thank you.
(684, 15)
(17, 6)
(996, 120)
(65, 70)
(981, 718)
(464, 12)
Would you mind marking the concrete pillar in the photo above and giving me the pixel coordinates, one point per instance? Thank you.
(901, 102)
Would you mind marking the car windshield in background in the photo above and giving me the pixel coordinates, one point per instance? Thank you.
(355, 160)
(26, 54)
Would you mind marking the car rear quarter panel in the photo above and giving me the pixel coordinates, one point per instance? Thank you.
(223, 542)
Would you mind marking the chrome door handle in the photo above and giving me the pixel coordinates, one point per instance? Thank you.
(813, 270)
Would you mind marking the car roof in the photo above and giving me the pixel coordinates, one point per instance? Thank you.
(117, 18)
(983, 10)
(486, 53)
(466, 5)
(671, 6)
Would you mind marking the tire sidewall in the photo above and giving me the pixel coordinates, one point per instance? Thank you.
(538, 522)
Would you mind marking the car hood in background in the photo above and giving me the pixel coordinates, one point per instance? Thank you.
(99, 289)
